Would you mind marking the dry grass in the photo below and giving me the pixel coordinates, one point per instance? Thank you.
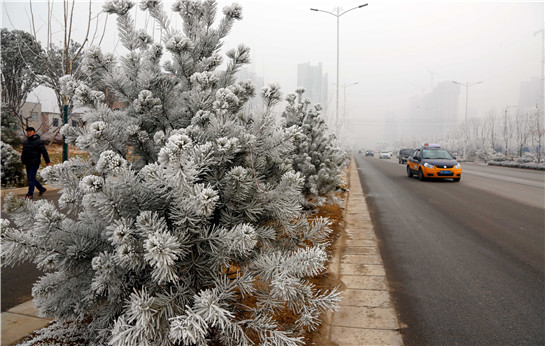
(327, 281)
(55, 153)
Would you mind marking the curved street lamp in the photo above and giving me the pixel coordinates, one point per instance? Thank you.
(345, 120)
(467, 85)
(338, 15)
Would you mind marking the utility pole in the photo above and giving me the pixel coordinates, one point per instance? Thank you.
(345, 119)
(64, 121)
(541, 95)
(540, 104)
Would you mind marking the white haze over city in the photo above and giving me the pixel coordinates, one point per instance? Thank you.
(394, 50)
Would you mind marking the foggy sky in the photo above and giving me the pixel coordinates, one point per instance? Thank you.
(395, 50)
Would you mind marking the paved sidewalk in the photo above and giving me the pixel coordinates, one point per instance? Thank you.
(22, 191)
(20, 321)
(366, 315)
(17, 191)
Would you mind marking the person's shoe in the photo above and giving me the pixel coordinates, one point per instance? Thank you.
(42, 192)
(28, 197)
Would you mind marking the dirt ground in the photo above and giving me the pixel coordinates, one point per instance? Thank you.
(329, 280)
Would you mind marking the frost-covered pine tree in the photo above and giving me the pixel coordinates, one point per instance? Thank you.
(317, 154)
(11, 168)
(184, 225)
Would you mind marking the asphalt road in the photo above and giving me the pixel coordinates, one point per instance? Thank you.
(17, 281)
(465, 260)
(17, 284)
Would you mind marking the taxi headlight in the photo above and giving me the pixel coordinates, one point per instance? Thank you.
(458, 166)
(427, 165)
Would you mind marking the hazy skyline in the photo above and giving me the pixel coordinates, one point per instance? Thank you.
(395, 50)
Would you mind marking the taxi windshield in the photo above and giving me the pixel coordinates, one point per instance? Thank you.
(437, 154)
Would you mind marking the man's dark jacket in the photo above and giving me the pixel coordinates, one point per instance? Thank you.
(33, 149)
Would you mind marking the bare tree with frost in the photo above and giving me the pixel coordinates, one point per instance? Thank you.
(184, 226)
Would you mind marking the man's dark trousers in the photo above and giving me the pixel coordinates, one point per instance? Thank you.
(31, 172)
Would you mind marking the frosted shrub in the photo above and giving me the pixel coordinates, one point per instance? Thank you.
(317, 154)
(499, 157)
(526, 158)
(485, 153)
(184, 226)
(12, 168)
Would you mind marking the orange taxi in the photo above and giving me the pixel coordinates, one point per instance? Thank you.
(431, 161)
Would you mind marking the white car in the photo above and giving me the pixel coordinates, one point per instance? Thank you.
(384, 155)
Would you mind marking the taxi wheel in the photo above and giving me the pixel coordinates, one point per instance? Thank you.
(409, 173)
(456, 180)
(420, 175)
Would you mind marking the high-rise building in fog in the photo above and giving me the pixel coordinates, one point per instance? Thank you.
(259, 83)
(530, 94)
(434, 113)
(315, 83)
(391, 129)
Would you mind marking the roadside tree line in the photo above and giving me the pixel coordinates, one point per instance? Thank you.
(508, 134)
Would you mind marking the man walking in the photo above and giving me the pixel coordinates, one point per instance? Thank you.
(33, 149)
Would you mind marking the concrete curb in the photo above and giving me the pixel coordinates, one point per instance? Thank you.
(366, 315)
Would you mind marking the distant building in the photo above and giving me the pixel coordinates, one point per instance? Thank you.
(245, 74)
(52, 123)
(112, 102)
(531, 94)
(432, 114)
(47, 124)
(391, 128)
(315, 83)
(32, 113)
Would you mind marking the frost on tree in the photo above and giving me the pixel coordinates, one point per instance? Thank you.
(317, 155)
(185, 225)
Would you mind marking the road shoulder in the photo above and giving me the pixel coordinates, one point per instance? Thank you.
(366, 315)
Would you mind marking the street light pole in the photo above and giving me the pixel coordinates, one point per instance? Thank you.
(64, 121)
(338, 73)
(345, 120)
(467, 85)
(344, 95)
(338, 15)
